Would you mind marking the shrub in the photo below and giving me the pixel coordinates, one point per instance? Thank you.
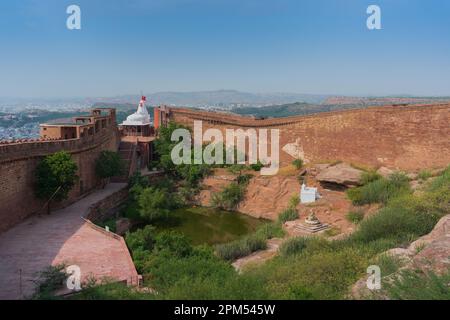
(294, 201)
(411, 285)
(369, 176)
(110, 223)
(314, 273)
(293, 246)
(257, 166)
(236, 168)
(141, 239)
(289, 214)
(388, 264)
(111, 291)
(243, 179)
(441, 181)
(173, 243)
(187, 193)
(167, 273)
(424, 175)
(193, 173)
(229, 197)
(155, 204)
(397, 223)
(270, 230)
(48, 281)
(355, 216)
(138, 180)
(380, 190)
(297, 163)
(241, 248)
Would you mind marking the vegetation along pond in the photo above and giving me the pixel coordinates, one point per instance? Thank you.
(208, 225)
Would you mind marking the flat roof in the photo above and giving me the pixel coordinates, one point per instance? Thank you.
(63, 124)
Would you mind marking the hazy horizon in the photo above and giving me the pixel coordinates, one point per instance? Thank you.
(149, 94)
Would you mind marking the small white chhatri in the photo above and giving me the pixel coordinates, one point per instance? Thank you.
(308, 194)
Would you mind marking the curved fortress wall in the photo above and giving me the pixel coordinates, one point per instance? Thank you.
(17, 168)
(402, 137)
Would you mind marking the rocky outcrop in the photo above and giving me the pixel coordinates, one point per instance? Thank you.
(266, 197)
(428, 253)
(432, 252)
(340, 174)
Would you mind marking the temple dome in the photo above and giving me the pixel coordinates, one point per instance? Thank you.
(140, 118)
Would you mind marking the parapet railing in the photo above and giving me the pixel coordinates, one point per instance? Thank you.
(32, 148)
(244, 121)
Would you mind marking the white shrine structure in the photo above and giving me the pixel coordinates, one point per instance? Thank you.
(138, 123)
(308, 194)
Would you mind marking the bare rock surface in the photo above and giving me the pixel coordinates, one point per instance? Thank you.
(342, 174)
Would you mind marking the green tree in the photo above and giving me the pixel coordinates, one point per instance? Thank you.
(108, 164)
(55, 177)
(155, 203)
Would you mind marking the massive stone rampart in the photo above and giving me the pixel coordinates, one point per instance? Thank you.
(18, 162)
(401, 137)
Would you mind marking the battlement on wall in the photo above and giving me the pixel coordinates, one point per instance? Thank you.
(247, 121)
(14, 151)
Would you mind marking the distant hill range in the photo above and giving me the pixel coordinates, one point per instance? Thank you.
(330, 104)
(219, 98)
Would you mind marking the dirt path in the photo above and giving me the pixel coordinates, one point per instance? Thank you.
(60, 237)
(259, 256)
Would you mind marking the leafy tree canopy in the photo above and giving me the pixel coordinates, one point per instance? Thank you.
(109, 164)
(55, 173)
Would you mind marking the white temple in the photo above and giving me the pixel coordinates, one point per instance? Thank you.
(308, 194)
(141, 117)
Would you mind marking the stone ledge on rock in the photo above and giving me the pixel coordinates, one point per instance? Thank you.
(340, 174)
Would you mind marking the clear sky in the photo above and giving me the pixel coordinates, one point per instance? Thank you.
(311, 46)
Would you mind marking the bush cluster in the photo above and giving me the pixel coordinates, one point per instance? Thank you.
(297, 163)
(291, 213)
(355, 216)
(380, 190)
(241, 248)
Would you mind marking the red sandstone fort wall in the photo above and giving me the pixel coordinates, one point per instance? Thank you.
(402, 137)
(17, 169)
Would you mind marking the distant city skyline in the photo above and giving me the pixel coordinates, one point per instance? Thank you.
(257, 46)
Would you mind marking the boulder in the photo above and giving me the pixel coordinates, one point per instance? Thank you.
(341, 174)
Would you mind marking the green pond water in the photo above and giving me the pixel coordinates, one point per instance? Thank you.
(210, 226)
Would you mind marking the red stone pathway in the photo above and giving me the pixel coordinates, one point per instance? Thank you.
(63, 236)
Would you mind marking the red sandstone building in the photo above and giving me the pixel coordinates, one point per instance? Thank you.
(81, 127)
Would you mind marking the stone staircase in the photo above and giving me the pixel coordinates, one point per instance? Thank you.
(127, 152)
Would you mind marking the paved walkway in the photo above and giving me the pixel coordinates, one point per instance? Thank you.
(63, 236)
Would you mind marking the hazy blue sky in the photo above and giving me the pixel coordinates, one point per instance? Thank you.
(316, 46)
